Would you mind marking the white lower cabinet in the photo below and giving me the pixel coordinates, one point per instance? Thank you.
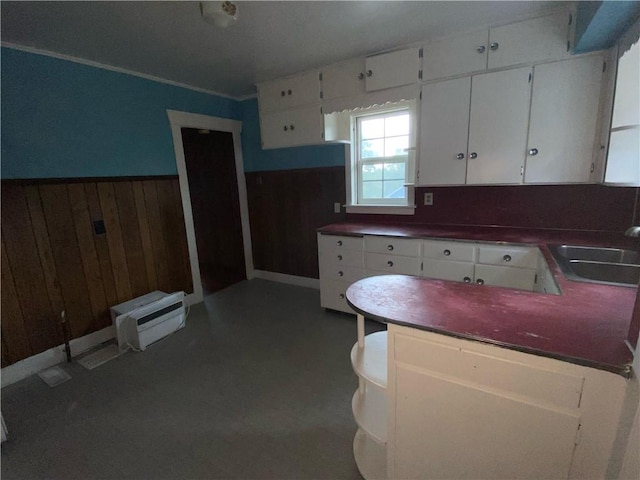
(464, 410)
(340, 261)
(448, 270)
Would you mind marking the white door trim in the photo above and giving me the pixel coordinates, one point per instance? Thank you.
(179, 120)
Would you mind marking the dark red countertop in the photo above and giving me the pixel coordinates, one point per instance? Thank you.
(587, 324)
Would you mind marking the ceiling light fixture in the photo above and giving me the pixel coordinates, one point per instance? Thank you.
(221, 14)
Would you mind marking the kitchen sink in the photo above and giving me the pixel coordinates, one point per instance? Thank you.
(611, 266)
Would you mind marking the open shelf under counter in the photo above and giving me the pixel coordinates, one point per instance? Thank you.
(370, 362)
(371, 457)
(370, 412)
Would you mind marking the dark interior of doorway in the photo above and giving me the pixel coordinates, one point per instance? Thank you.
(215, 202)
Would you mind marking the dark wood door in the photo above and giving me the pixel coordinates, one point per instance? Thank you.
(213, 185)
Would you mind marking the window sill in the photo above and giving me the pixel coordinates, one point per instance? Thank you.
(382, 209)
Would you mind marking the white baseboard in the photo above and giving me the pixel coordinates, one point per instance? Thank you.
(36, 363)
(285, 278)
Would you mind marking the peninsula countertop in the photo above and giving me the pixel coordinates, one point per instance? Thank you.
(586, 324)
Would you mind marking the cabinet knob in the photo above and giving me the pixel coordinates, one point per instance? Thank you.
(460, 156)
(339, 242)
(339, 257)
(340, 273)
(481, 49)
(473, 155)
(507, 258)
(480, 281)
(533, 151)
(389, 263)
(285, 128)
(282, 93)
(494, 46)
(390, 247)
(342, 295)
(467, 279)
(361, 76)
(447, 252)
(292, 127)
(369, 73)
(289, 92)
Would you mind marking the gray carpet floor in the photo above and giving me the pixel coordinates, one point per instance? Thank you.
(257, 385)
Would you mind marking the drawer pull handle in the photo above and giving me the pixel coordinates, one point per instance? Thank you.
(369, 73)
(447, 252)
(342, 296)
(480, 281)
(507, 258)
(339, 242)
(339, 257)
(390, 263)
(341, 273)
(467, 279)
(390, 247)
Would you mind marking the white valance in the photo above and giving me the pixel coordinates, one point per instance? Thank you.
(370, 99)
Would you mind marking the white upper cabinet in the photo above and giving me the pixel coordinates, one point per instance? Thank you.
(343, 79)
(528, 41)
(444, 131)
(564, 116)
(288, 128)
(498, 126)
(455, 55)
(290, 92)
(392, 69)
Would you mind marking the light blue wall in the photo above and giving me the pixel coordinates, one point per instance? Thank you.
(599, 25)
(64, 119)
(256, 159)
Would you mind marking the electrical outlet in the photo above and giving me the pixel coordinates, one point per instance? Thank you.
(336, 207)
(428, 198)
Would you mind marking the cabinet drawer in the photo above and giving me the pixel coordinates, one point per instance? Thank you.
(465, 252)
(448, 270)
(393, 246)
(331, 244)
(341, 272)
(520, 278)
(333, 296)
(520, 257)
(352, 258)
(392, 264)
(289, 92)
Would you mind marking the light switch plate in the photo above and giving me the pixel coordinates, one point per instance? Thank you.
(428, 198)
(336, 207)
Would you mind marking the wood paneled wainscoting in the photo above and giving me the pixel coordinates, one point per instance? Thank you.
(56, 255)
(285, 209)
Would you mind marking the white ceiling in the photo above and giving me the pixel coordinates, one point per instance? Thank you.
(170, 40)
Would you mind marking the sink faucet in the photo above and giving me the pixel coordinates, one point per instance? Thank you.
(633, 231)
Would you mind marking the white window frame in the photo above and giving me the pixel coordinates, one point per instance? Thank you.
(354, 205)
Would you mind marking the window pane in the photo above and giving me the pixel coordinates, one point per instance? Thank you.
(372, 128)
(396, 146)
(395, 171)
(372, 148)
(394, 189)
(371, 190)
(372, 172)
(396, 125)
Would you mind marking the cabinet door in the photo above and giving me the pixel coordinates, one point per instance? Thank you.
(289, 92)
(304, 126)
(565, 99)
(444, 128)
(520, 278)
(455, 56)
(498, 126)
(529, 41)
(448, 270)
(392, 69)
(343, 80)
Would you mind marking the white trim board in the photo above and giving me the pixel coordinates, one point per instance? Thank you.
(36, 363)
(289, 279)
(91, 63)
(179, 120)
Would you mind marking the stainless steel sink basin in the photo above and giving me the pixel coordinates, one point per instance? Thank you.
(611, 266)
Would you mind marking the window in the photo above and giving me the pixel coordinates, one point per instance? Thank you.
(382, 158)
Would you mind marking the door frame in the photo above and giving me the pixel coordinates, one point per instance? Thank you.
(179, 120)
